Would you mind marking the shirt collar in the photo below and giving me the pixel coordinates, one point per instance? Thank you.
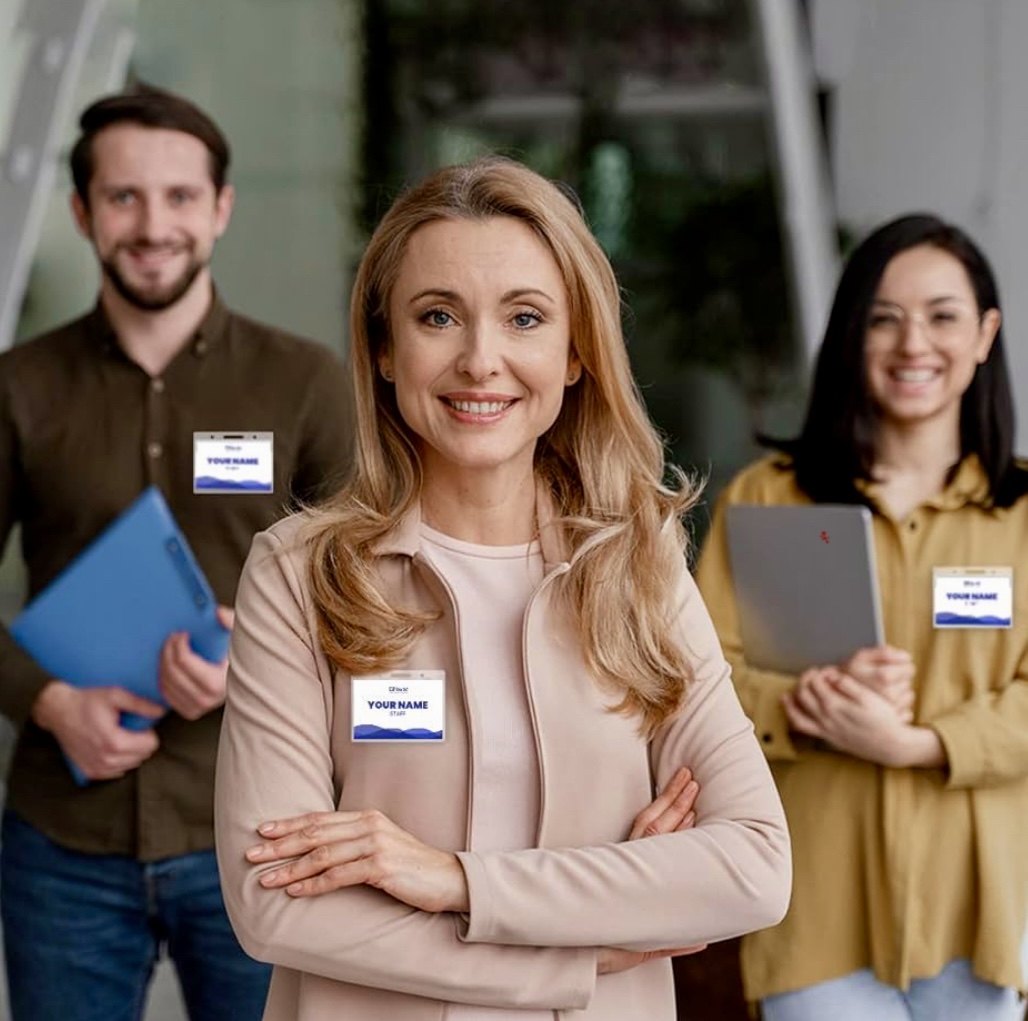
(211, 330)
(967, 484)
(213, 326)
(404, 539)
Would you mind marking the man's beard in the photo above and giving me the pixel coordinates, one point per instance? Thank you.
(153, 300)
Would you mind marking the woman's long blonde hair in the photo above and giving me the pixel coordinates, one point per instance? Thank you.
(602, 461)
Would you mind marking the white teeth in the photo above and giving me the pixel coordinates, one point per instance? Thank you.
(914, 375)
(480, 407)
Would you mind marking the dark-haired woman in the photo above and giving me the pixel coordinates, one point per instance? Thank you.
(904, 771)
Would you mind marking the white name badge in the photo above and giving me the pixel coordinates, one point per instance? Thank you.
(233, 462)
(403, 705)
(972, 597)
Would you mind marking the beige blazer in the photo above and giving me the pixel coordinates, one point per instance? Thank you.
(536, 915)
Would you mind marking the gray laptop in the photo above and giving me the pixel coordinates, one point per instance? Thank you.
(805, 584)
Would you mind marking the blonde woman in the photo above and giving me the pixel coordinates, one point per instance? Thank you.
(455, 689)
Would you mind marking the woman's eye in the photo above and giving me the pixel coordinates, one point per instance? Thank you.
(883, 321)
(437, 317)
(526, 320)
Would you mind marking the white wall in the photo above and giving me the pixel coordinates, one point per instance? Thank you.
(930, 114)
(282, 78)
(62, 280)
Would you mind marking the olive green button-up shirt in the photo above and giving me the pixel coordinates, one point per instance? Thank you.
(83, 431)
(900, 870)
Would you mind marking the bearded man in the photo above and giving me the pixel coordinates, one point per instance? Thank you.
(97, 881)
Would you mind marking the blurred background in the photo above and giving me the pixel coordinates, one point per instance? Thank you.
(726, 153)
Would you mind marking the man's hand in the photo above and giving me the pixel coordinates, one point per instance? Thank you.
(87, 725)
(190, 684)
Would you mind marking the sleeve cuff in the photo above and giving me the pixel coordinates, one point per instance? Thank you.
(24, 688)
(476, 925)
(960, 753)
(769, 720)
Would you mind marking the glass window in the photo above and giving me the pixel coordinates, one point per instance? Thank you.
(654, 112)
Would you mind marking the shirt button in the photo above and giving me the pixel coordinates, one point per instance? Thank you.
(200, 347)
(766, 737)
(154, 450)
(157, 385)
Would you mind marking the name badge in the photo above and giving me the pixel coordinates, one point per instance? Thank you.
(233, 462)
(972, 596)
(403, 705)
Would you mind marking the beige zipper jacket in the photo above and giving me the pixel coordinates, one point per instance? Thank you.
(536, 915)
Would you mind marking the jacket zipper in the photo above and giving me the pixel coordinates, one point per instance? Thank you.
(544, 584)
(423, 563)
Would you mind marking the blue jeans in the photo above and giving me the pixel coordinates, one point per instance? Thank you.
(952, 995)
(82, 933)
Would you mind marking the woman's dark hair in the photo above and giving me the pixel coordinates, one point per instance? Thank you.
(149, 108)
(836, 447)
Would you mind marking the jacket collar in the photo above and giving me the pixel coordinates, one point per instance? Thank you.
(404, 539)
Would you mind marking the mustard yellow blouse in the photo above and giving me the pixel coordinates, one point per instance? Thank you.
(901, 870)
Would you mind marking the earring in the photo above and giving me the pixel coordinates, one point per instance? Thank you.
(572, 376)
(387, 375)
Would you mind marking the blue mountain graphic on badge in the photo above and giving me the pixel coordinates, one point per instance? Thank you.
(369, 732)
(951, 619)
(249, 485)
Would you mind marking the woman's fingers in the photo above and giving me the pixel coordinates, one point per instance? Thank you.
(327, 867)
(671, 810)
(799, 719)
(288, 838)
(878, 668)
(325, 851)
(354, 873)
(901, 696)
(811, 696)
(880, 654)
(329, 854)
(682, 951)
(610, 960)
(283, 827)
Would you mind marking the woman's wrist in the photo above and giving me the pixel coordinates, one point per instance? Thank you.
(458, 898)
(919, 748)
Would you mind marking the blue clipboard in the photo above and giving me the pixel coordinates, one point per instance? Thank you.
(104, 619)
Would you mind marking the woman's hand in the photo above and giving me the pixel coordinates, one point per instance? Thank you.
(671, 810)
(887, 672)
(832, 706)
(337, 849)
(610, 959)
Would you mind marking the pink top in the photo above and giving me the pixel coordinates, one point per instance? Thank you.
(492, 586)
